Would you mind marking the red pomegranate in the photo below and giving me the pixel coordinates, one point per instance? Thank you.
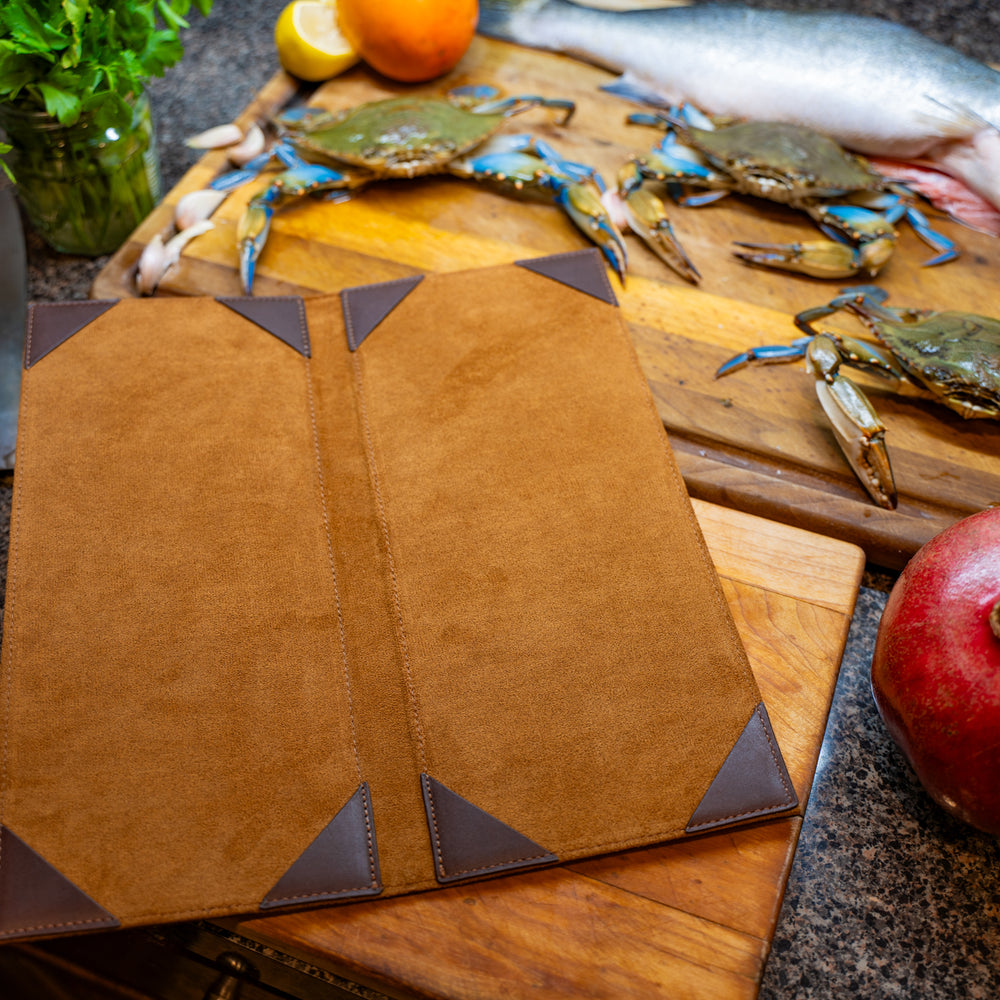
(936, 668)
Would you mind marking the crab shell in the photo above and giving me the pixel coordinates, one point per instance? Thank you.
(954, 355)
(398, 137)
(782, 162)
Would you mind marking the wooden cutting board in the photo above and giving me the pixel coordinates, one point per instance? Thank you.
(756, 441)
(693, 918)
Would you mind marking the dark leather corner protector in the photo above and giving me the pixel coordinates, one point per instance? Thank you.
(53, 323)
(282, 315)
(752, 781)
(470, 843)
(341, 863)
(36, 899)
(580, 269)
(365, 306)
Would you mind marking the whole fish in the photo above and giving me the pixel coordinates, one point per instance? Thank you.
(876, 87)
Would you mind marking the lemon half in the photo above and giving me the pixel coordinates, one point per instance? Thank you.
(310, 45)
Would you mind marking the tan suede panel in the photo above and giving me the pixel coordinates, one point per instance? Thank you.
(378, 678)
(576, 672)
(243, 581)
(172, 665)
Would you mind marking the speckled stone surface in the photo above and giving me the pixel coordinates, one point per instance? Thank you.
(888, 897)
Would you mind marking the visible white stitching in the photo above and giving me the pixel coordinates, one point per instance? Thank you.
(425, 781)
(670, 466)
(587, 252)
(373, 884)
(28, 361)
(303, 325)
(9, 646)
(499, 866)
(304, 329)
(353, 343)
(108, 921)
(787, 803)
(384, 524)
(607, 283)
(775, 754)
(333, 568)
(340, 625)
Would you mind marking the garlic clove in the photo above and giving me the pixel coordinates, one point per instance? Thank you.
(158, 257)
(151, 267)
(216, 137)
(196, 206)
(176, 244)
(251, 146)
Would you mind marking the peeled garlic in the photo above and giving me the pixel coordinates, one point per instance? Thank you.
(251, 146)
(216, 137)
(158, 257)
(152, 266)
(196, 206)
(176, 243)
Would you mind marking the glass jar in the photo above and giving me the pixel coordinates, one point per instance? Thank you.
(84, 189)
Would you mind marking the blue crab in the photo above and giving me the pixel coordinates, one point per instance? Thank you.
(414, 135)
(953, 357)
(784, 163)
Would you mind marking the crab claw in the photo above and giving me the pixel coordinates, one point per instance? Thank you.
(767, 354)
(251, 235)
(647, 218)
(856, 425)
(511, 106)
(582, 203)
(861, 437)
(817, 258)
(947, 251)
(254, 224)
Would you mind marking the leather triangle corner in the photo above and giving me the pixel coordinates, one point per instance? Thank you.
(37, 899)
(468, 842)
(752, 781)
(53, 323)
(340, 863)
(367, 305)
(283, 316)
(580, 269)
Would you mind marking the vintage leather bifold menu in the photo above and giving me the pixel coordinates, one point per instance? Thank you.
(319, 600)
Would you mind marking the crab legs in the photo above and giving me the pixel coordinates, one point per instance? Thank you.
(338, 153)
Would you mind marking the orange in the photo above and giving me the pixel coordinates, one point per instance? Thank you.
(409, 40)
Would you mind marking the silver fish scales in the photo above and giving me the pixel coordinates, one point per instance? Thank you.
(875, 87)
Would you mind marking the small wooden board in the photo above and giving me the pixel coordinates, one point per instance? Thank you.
(756, 441)
(693, 918)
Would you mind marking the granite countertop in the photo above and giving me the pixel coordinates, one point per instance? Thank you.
(888, 896)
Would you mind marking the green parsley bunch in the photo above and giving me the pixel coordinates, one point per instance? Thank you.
(71, 57)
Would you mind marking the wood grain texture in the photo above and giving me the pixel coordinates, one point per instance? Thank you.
(756, 441)
(691, 919)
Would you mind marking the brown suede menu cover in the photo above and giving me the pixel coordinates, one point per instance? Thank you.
(326, 599)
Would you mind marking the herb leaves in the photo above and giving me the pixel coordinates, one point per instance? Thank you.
(69, 57)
